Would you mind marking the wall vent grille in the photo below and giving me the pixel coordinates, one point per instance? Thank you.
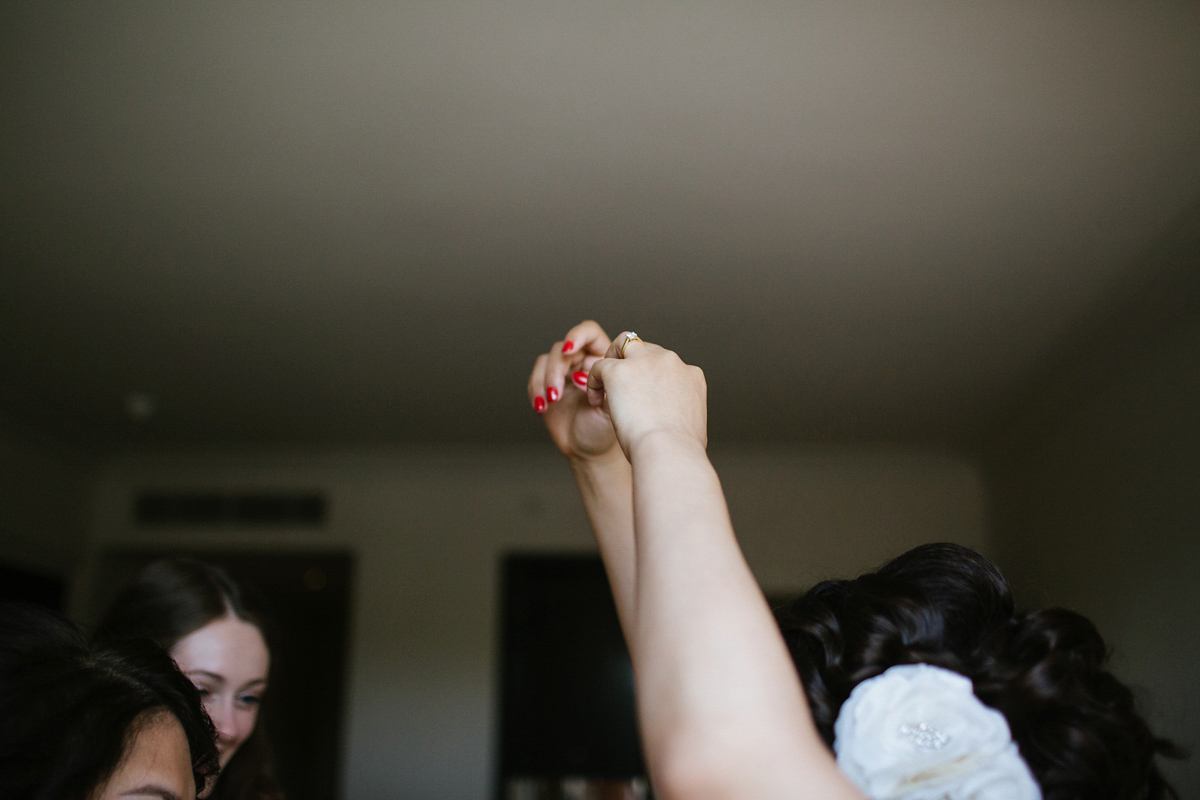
(225, 509)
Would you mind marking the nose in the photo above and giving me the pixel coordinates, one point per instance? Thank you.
(221, 714)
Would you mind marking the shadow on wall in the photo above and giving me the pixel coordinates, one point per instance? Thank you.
(1096, 494)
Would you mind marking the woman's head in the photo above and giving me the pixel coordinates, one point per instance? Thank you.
(212, 630)
(227, 661)
(155, 763)
(943, 604)
(86, 722)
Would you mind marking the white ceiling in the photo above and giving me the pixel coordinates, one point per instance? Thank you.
(360, 222)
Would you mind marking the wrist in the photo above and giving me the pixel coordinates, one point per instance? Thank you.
(612, 458)
(665, 442)
(600, 474)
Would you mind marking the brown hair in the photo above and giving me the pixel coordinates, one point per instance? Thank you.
(170, 599)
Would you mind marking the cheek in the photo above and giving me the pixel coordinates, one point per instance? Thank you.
(211, 706)
(246, 722)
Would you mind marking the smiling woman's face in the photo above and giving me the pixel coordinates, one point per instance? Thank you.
(227, 660)
(157, 765)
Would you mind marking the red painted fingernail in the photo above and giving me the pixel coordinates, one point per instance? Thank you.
(568, 347)
(580, 378)
(552, 394)
(539, 404)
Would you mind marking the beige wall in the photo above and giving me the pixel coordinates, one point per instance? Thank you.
(43, 502)
(1099, 511)
(428, 527)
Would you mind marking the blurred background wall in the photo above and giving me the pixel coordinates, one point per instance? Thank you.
(428, 527)
(1094, 488)
(44, 501)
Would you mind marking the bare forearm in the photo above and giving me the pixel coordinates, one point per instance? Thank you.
(606, 485)
(727, 716)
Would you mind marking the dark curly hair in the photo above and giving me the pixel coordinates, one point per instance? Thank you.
(1075, 724)
(171, 598)
(69, 709)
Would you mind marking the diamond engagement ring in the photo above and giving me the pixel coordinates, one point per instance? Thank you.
(630, 336)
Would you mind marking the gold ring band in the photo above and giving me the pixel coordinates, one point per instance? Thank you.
(630, 336)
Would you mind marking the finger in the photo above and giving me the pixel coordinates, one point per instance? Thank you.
(584, 341)
(586, 337)
(564, 369)
(536, 386)
(626, 344)
(595, 383)
(579, 377)
(555, 371)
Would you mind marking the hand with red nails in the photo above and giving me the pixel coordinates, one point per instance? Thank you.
(557, 390)
(584, 434)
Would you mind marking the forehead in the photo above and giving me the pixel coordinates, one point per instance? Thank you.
(157, 762)
(228, 647)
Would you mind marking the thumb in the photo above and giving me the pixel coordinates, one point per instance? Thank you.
(595, 383)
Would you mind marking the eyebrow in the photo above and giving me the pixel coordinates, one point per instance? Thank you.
(151, 791)
(205, 673)
(214, 676)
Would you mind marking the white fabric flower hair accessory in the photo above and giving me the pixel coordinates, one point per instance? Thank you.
(918, 732)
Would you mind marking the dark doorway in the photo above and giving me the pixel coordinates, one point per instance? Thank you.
(21, 585)
(307, 596)
(567, 721)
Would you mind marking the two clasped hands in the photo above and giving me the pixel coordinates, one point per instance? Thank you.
(595, 392)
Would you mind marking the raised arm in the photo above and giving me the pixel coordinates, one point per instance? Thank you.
(585, 436)
(722, 711)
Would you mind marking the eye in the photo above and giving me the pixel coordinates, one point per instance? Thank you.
(249, 699)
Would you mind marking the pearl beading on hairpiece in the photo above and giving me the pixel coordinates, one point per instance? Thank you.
(919, 731)
(925, 736)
